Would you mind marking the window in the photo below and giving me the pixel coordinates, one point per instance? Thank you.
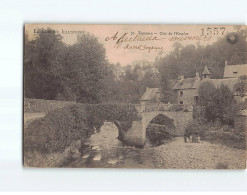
(181, 102)
(235, 72)
(181, 93)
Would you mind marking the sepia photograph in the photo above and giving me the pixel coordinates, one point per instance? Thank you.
(135, 96)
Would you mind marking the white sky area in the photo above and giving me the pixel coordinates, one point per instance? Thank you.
(127, 56)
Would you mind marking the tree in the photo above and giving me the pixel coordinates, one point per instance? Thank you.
(168, 94)
(236, 59)
(207, 98)
(240, 88)
(226, 107)
(78, 72)
(86, 65)
(40, 55)
(218, 103)
(186, 60)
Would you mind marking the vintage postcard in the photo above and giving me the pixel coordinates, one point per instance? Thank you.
(135, 96)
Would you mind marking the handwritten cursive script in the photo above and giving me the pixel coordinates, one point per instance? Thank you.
(125, 38)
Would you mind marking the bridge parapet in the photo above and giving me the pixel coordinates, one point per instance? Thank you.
(150, 107)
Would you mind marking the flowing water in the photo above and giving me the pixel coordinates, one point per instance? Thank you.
(105, 150)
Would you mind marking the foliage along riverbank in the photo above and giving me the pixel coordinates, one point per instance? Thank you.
(60, 128)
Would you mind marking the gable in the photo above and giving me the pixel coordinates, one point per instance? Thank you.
(234, 71)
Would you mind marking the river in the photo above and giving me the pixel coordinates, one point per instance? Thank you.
(105, 150)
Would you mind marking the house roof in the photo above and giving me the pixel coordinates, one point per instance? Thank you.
(206, 71)
(233, 71)
(150, 94)
(189, 83)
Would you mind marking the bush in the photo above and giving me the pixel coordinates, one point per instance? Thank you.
(216, 132)
(226, 135)
(157, 134)
(59, 128)
(197, 127)
(218, 103)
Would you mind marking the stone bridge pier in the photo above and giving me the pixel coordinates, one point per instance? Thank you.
(136, 135)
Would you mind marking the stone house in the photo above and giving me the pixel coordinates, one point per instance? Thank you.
(150, 95)
(187, 88)
(234, 71)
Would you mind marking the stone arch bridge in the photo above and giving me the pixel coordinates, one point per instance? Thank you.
(181, 116)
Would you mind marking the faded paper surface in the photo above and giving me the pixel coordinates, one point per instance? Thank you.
(135, 96)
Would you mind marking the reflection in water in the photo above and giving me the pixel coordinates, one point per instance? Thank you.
(105, 150)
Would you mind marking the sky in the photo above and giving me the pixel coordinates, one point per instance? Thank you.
(128, 43)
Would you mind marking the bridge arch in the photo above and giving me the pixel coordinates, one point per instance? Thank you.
(160, 119)
(119, 126)
(152, 116)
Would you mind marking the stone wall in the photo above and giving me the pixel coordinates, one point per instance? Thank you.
(188, 96)
(39, 105)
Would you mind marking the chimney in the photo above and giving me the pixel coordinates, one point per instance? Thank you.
(197, 77)
(226, 63)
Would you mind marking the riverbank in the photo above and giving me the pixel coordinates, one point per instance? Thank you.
(108, 152)
(104, 150)
(204, 155)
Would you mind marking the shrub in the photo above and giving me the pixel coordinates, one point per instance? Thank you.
(59, 128)
(157, 134)
(218, 103)
(216, 132)
(197, 127)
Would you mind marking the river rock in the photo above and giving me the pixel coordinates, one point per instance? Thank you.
(97, 157)
(112, 161)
